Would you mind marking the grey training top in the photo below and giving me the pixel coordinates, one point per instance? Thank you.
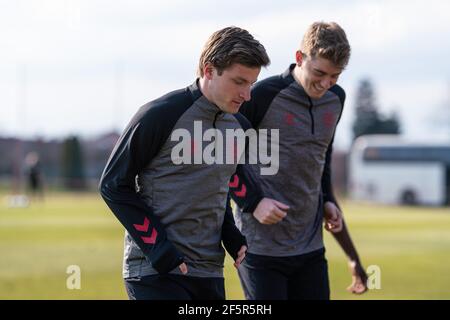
(178, 212)
(306, 131)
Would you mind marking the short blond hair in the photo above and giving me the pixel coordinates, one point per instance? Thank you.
(327, 40)
(232, 45)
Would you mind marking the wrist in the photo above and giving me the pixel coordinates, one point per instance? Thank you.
(354, 260)
(254, 204)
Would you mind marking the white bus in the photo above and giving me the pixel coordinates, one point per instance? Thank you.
(391, 170)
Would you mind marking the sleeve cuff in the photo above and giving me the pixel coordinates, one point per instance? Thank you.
(167, 259)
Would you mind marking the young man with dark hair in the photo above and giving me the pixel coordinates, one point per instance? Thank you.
(176, 214)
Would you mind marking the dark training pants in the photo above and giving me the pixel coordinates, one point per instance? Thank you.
(175, 287)
(302, 277)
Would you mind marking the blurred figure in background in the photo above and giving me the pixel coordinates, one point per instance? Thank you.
(34, 175)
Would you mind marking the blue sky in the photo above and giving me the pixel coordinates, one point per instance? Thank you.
(86, 66)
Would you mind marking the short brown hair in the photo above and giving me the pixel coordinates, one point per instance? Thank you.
(232, 45)
(328, 41)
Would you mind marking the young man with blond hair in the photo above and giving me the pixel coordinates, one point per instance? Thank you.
(176, 214)
(286, 254)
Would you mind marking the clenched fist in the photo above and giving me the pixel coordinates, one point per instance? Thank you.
(270, 211)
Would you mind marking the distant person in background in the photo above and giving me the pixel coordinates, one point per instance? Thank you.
(34, 174)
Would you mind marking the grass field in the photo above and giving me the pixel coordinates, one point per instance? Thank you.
(37, 244)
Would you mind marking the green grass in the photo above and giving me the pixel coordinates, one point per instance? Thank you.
(37, 244)
(410, 245)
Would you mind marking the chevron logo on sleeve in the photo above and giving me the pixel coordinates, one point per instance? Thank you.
(151, 239)
(234, 184)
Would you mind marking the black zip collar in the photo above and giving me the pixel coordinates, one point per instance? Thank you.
(197, 93)
(287, 75)
(195, 90)
(289, 78)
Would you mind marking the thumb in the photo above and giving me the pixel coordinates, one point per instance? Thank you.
(281, 205)
(183, 268)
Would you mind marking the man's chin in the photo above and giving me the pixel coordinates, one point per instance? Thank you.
(316, 95)
(234, 108)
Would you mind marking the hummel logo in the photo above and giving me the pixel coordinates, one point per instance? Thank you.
(144, 228)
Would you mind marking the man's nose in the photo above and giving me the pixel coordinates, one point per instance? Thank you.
(327, 83)
(246, 94)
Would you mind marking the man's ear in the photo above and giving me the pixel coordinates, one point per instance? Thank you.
(299, 57)
(208, 70)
